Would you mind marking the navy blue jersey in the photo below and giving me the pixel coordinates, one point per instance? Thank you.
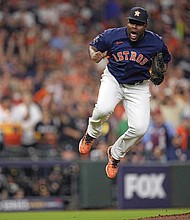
(130, 62)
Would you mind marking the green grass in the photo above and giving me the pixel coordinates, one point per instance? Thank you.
(90, 215)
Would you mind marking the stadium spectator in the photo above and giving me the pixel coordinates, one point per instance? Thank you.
(157, 140)
(28, 114)
(183, 131)
(46, 134)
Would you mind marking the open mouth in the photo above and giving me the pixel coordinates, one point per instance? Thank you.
(133, 36)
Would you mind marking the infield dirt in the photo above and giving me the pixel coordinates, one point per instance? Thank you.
(185, 216)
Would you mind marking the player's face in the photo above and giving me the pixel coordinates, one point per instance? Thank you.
(135, 30)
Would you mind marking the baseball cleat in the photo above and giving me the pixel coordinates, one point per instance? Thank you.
(86, 144)
(112, 166)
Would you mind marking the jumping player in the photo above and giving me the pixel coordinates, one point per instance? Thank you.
(129, 51)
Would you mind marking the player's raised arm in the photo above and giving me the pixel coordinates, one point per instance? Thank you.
(95, 54)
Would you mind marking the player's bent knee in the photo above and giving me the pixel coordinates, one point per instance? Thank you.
(141, 132)
(137, 131)
(103, 112)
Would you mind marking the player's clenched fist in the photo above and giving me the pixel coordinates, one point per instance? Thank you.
(96, 55)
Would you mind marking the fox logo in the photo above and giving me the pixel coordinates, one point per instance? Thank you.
(145, 186)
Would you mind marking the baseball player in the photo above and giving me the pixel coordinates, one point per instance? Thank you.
(129, 51)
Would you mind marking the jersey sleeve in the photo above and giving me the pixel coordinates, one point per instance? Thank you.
(166, 54)
(100, 42)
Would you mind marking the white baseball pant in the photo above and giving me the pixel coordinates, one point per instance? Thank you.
(136, 102)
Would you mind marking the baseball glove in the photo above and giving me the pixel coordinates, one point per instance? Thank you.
(157, 69)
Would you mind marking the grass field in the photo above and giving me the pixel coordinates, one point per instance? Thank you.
(89, 215)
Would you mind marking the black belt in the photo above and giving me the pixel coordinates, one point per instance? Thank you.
(136, 83)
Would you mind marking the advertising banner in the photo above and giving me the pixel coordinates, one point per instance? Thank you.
(9, 205)
(143, 187)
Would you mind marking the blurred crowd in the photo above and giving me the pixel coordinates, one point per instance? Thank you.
(48, 84)
(37, 181)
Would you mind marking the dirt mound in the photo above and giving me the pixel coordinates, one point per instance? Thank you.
(185, 216)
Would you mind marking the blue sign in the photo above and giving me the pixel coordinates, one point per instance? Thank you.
(143, 187)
